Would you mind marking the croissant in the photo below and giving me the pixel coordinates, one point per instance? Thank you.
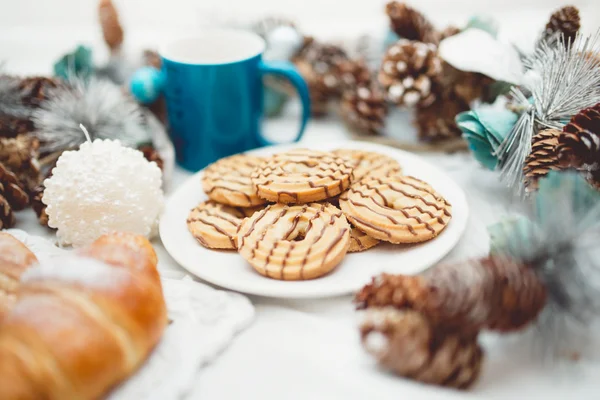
(15, 258)
(84, 323)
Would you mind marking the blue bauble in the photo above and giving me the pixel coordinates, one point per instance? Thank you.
(146, 84)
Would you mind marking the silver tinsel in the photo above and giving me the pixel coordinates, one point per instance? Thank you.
(101, 106)
(562, 79)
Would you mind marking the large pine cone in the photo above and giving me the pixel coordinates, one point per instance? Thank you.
(579, 143)
(519, 294)
(437, 121)
(566, 21)
(407, 344)
(542, 159)
(20, 155)
(495, 293)
(410, 24)
(409, 72)
(364, 108)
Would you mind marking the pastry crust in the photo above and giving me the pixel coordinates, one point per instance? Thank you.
(227, 181)
(215, 225)
(397, 209)
(368, 164)
(15, 259)
(295, 242)
(302, 176)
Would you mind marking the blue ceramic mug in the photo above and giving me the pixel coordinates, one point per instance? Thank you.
(214, 93)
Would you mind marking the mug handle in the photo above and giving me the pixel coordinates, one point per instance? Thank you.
(288, 71)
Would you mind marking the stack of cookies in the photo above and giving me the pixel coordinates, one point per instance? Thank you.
(295, 215)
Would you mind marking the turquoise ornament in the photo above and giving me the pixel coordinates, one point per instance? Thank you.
(146, 84)
(77, 63)
(485, 130)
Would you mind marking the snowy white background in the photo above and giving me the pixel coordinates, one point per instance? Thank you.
(34, 32)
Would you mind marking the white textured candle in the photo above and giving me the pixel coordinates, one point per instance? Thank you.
(101, 188)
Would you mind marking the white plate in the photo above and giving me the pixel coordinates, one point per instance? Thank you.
(227, 269)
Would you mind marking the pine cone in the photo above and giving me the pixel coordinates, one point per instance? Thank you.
(12, 189)
(353, 73)
(519, 294)
(494, 293)
(20, 155)
(365, 108)
(36, 199)
(152, 155)
(7, 217)
(542, 159)
(319, 65)
(409, 72)
(11, 127)
(407, 344)
(111, 27)
(466, 86)
(565, 21)
(36, 89)
(437, 121)
(38, 206)
(410, 24)
(579, 143)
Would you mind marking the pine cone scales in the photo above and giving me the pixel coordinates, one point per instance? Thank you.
(542, 159)
(407, 344)
(409, 71)
(36, 89)
(437, 121)
(12, 197)
(12, 190)
(566, 21)
(519, 295)
(492, 293)
(365, 109)
(410, 24)
(20, 155)
(319, 66)
(11, 127)
(579, 143)
(353, 73)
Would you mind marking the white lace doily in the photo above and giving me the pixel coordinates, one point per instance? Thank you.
(204, 322)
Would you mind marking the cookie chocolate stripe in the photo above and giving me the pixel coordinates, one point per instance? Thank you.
(215, 225)
(302, 176)
(398, 209)
(295, 242)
